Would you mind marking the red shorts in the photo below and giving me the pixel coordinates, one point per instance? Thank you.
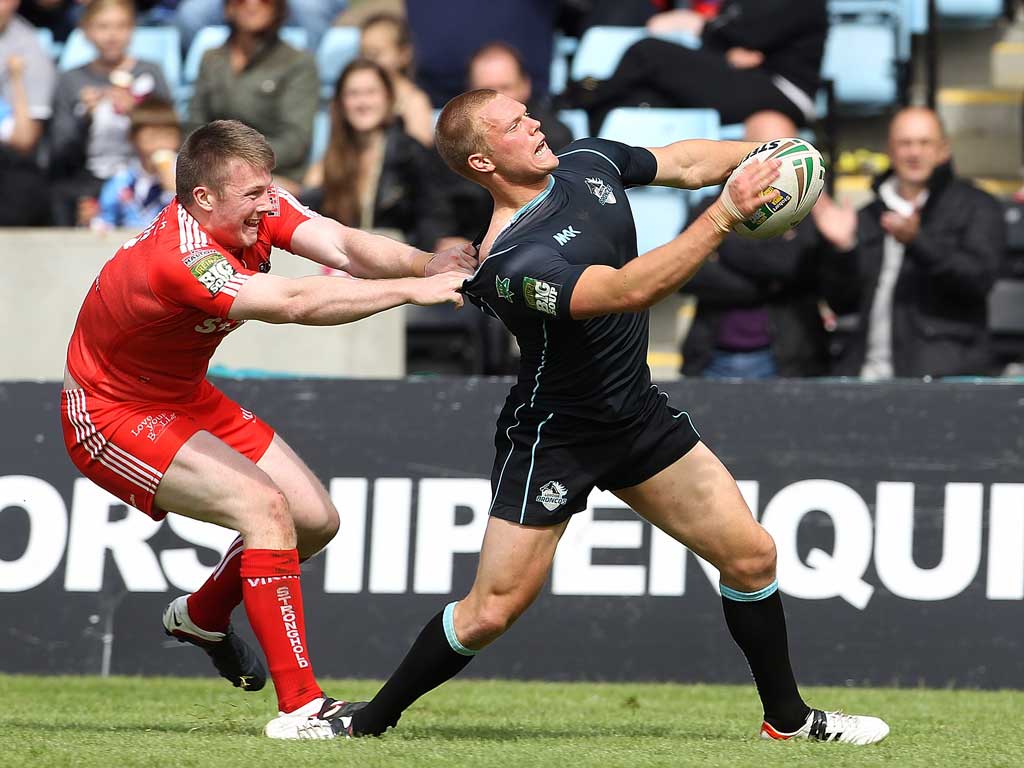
(125, 448)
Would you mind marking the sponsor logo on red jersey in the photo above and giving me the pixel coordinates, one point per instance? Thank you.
(213, 271)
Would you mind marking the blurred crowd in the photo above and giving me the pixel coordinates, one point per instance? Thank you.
(898, 288)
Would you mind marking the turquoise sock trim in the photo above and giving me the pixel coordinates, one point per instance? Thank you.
(449, 631)
(744, 597)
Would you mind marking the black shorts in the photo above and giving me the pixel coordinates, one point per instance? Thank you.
(546, 465)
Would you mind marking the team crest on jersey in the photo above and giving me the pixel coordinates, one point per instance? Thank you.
(213, 271)
(501, 285)
(540, 295)
(552, 495)
(601, 191)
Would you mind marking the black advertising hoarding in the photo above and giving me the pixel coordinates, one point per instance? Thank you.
(897, 511)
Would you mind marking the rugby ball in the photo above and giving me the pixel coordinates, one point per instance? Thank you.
(791, 196)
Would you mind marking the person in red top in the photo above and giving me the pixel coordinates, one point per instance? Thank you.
(141, 420)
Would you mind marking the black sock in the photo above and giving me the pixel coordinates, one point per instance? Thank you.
(758, 625)
(435, 657)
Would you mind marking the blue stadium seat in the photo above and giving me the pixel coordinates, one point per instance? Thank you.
(576, 121)
(908, 17)
(161, 45)
(321, 135)
(862, 55)
(659, 213)
(973, 12)
(561, 54)
(338, 47)
(601, 48)
(648, 127)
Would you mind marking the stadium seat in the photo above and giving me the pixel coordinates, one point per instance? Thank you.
(321, 134)
(561, 55)
(575, 120)
(659, 213)
(862, 55)
(973, 12)
(338, 47)
(651, 127)
(161, 45)
(601, 48)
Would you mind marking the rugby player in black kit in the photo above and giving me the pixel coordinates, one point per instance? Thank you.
(559, 267)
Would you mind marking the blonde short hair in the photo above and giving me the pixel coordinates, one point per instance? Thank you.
(458, 133)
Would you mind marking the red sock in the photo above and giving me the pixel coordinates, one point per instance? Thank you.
(273, 601)
(211, 605)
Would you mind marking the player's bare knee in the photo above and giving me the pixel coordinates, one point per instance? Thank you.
(274, 512)
(754, 567)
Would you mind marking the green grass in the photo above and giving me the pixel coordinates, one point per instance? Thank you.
(87, 721)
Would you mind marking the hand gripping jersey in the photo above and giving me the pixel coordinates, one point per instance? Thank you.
(158, 309)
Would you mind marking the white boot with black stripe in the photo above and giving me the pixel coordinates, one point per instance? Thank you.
(833, 726)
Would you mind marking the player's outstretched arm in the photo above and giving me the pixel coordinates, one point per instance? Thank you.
(697, 163)
(336, 300)
(647, 279)
(363, 254)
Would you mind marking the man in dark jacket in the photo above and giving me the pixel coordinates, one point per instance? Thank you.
(916, 264)
(756, 55)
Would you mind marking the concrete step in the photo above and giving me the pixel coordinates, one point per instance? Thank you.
(1008, 65)
(984, 127)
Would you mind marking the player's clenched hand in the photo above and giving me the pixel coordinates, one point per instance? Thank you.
(743, 194)
(439, 289)
(458, 258)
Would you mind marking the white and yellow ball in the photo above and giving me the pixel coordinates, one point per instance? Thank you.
(792, 195)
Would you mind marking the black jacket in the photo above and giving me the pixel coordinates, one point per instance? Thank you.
(790, 33)
(781, 275)
(409, 198)
(940, 302)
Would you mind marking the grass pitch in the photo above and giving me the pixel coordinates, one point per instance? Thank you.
(88, 721)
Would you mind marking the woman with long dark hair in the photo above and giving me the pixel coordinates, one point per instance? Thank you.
(259, 79)
(373, 174)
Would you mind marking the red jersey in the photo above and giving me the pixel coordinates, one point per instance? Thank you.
(158, 309)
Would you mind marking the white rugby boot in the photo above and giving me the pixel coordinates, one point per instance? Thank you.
(322, 718)
(833, 726)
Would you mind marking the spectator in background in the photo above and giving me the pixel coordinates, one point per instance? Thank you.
(916, 264)
(260, 80)
(135, 195)
(314, 16)
(443, 48)
(757, 55)
(26, 92)
(757, 300)
(499, 66)
(89, 135)
(385, 39)
(374, 175)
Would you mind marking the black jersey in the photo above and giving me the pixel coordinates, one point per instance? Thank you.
(593, 369)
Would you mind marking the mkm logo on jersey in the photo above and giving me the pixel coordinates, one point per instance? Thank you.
(566, 235)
